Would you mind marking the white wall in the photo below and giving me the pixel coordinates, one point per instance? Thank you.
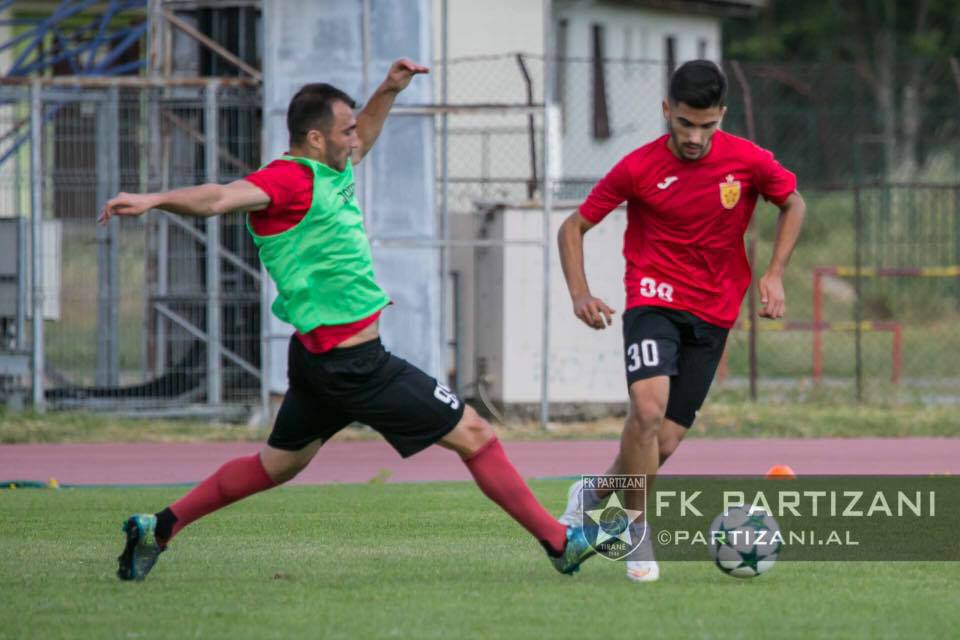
(502, 286)
(398, 171)
(585, 365)
(489, 27)
(634, 91)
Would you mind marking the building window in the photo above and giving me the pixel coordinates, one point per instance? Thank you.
(601, 116)
(560, 71)
(670, 56)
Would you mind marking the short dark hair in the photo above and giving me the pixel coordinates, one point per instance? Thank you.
(699, 84)
(312, 108)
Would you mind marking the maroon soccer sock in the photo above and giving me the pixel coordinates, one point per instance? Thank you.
(499, 481)
(236, 479)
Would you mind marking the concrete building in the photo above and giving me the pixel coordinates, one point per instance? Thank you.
(613, 62)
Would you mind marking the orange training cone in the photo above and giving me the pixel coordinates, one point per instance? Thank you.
(781, 472)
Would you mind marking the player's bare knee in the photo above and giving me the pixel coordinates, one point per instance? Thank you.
(283, 466)
(470, 434)
(645, 417)
(639, 431)
(289, 472)
(667, 446)
(477, 428)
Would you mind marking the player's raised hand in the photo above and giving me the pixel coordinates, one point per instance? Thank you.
(401, 73)
(772, 297)
(593, 311)
(126, 204)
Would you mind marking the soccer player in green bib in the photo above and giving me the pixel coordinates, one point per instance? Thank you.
(305, 221)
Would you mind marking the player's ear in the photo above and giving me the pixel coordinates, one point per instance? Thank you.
(666, 110)
(317, 141)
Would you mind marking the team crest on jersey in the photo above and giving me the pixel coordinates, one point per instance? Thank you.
(729, 192)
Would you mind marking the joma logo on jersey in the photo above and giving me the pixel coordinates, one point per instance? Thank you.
(729, 192)
(347, 193)
(669, 180)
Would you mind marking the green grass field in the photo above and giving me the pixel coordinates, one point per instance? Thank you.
(411, 561)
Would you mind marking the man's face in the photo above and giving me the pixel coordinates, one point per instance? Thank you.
(691, 129)
(340, 140)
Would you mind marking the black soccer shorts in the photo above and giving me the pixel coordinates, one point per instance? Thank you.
(365, 384)
(658, 341)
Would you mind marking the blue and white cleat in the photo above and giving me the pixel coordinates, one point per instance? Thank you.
(142, 549)
(575, 553)
(641, 564)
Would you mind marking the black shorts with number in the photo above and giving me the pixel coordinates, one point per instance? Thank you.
(366, 384)
(658, 341)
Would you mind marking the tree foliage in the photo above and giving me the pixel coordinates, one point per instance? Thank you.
(904, 54)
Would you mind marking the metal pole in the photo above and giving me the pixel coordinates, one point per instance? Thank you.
(163, 258)
(817, 324)
(108, 184)
(754, 315)
(113, 236)
(457, 339)
(36, 243)
(155, 37)
(956, 237)
(531, 127)
(366, 172)
(265, 348)
(858, 282)
(211, 169)
(266, 339)
(752, 234)
(21, 320)
(485, 164)
(102, 372)
(548, 171)
(444, 231)
(857, 256)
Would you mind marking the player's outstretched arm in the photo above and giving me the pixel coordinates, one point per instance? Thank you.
(772, 295)
(202, 201)
(371, 118)
(594, 312)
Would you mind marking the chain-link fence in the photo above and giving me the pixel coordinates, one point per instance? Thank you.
(131, 308)
(873, 288)
(879, 167)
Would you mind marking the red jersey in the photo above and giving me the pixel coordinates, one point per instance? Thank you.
(290, 187)
(685, 222)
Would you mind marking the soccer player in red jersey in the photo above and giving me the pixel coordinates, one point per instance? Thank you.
(690, 195)
(306, 222)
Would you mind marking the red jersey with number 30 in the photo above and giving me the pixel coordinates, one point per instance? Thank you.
(686, 220)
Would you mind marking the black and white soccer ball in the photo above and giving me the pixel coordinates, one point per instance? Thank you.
(744, 542)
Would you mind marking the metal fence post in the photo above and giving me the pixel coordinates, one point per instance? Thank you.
(211, 170)
(113, 233)
(265, 346)
(36, 243)
(751, 239)
(548, 175)
(858, 288)
(444, 230)
(108, 271)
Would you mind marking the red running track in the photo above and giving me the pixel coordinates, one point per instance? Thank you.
(337, 462)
